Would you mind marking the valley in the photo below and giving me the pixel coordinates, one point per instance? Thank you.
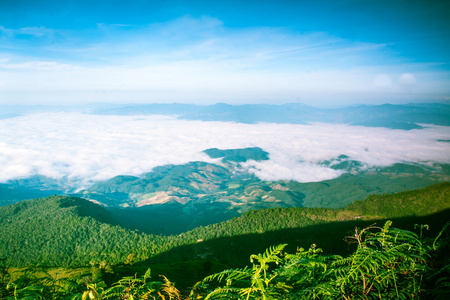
(198, 218)
(201, 193)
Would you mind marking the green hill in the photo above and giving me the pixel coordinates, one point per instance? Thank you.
(64, 231)
(238, 155)
(69, 231)
(200, 182)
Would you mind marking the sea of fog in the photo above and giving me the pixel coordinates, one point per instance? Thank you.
(85, 148)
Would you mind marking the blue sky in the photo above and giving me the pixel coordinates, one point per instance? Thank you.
(322, 53)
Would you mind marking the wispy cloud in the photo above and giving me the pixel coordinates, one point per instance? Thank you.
(9, 33)
(86, 148)
(200, 58)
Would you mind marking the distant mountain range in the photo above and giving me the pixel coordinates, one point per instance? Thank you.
(407, 117)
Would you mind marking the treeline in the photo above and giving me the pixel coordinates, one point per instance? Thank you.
(388, 263)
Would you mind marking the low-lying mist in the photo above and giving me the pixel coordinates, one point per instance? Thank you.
(84, 148)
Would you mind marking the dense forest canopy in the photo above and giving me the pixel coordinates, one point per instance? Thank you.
(70, 231)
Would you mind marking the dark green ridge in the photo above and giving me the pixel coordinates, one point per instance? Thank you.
(69, 231)
(238, 155)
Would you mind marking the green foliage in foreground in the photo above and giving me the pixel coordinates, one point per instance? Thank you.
(388, 263)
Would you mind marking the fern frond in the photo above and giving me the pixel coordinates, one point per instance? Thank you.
(224, 293)
(270, 255)
(229, 275)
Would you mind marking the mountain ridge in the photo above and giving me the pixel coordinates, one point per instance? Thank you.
(399, 116)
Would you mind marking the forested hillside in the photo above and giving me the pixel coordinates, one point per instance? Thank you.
(69, 231)
(65, 231)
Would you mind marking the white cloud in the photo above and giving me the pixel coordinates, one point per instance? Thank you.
(299, 171)
(39, 66)
(86, 148)
(33, 31)
(407, 79)
(196, 59)
(382, 81)
(407, 82)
